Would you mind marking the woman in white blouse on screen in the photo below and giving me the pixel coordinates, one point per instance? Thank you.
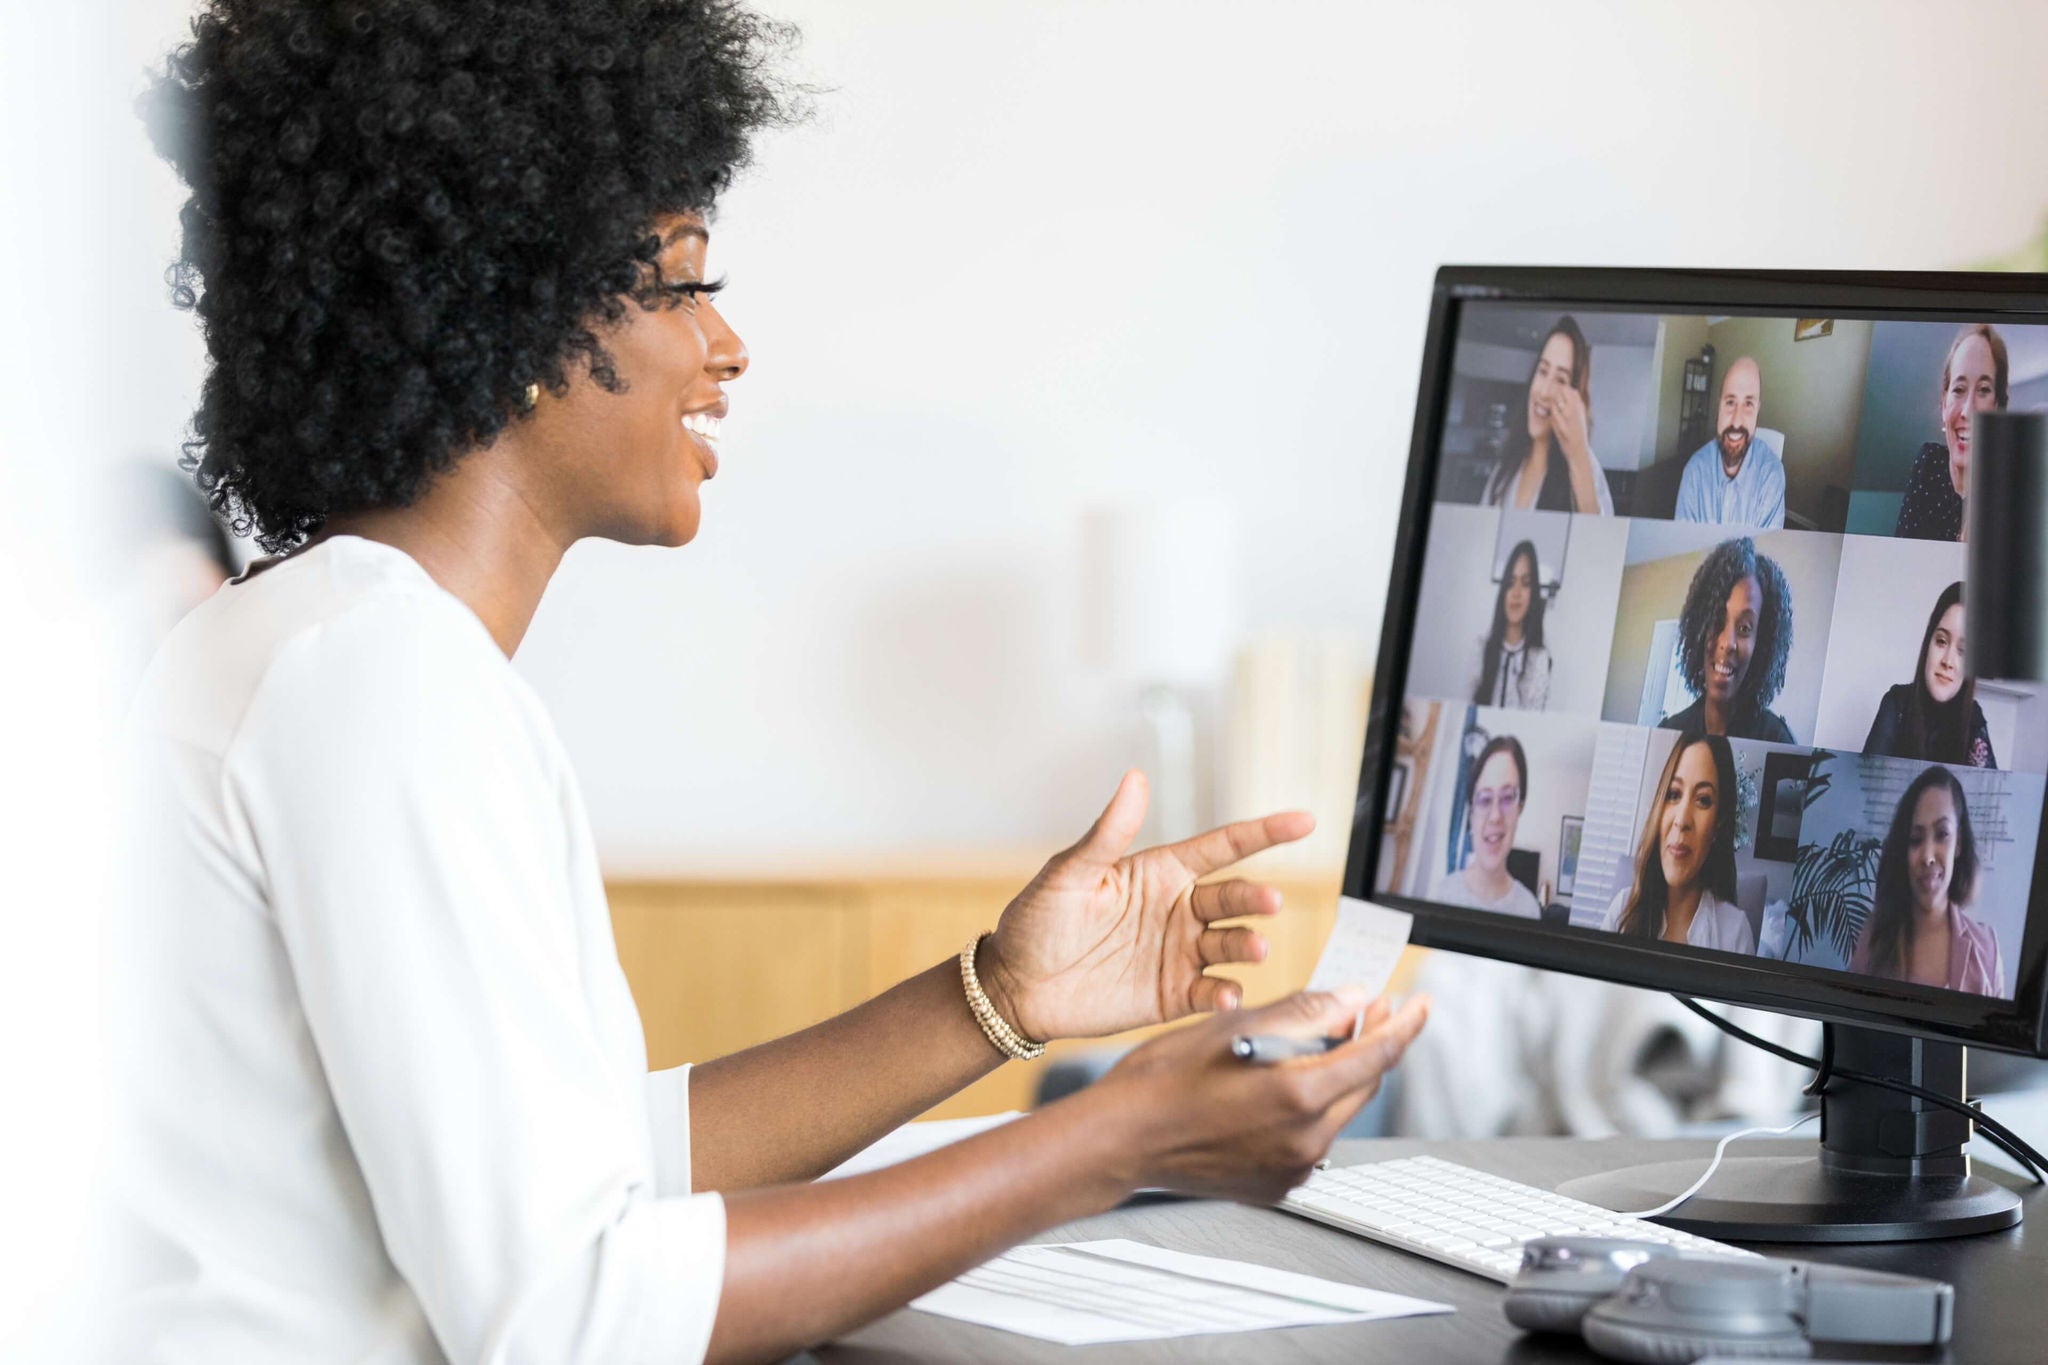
(1684, 887)
(390, 1098)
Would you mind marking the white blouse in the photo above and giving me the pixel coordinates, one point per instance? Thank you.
(1715, 924)
(390, 1091)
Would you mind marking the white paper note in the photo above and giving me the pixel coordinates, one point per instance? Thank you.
(914, 1140)
(1363, 948)
(1079, 1293)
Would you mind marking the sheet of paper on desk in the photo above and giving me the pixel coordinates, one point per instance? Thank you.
(914, 1140)
(1080, 1293)
(1364, 946)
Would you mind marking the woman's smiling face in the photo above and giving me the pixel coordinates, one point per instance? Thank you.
(1931, 849)
(1730, 650)
(1554, 369)
(1944, 663)
(631, 463)
(1496, 811)
(1521, 583)
(1685, 831)
(1972, 388)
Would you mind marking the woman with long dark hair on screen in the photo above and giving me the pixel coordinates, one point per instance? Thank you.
(1936, 716)
(1734, 638)
(1926, 875)
(1973, 379)
(1549, 461)
(391, 1098)
(1493, 813)
(1684, 888)
(1514, 666)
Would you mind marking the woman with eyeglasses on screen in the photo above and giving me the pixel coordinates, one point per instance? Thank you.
(1514, 666)
(1973, 380)
(1493, 812)
(1684, 888)
(1734, 637)
(1549, 461)
(1926, 873)
(1936, 716)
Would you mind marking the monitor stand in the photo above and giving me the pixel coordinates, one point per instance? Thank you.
(1890, 1166)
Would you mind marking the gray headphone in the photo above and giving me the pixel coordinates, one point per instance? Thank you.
(1647, 1303)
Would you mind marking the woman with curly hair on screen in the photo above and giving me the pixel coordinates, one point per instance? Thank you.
(1734, 637)
(390, 1097)
(1926, 875)
(1684, 887)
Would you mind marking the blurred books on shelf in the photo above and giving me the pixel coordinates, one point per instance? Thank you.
(1294, 727)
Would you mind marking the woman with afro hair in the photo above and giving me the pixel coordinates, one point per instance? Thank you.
(1734, 637)
(390, 1096)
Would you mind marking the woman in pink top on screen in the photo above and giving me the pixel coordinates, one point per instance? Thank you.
(1926, 874)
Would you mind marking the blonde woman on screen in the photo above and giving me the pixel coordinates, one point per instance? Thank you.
(1684, 889)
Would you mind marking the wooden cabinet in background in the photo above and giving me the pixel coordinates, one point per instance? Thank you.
(721, 963)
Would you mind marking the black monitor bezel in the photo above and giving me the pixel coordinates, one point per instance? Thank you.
(2016, 1025)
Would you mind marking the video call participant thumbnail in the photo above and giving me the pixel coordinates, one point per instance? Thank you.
(1548, 462)
(1973, 380)
(1735, 635)
(1493, 812)
(1936, 716)
(1926, 874)
(1684, 886)
(1514, 666)
(1736, 478)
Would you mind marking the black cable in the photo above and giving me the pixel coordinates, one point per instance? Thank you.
(1996, 1133)
(1818, 1086)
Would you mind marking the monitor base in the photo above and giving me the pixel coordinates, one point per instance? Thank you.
(1798, 1199)
(1889, 1167)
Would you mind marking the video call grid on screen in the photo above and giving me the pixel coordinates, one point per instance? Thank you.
(1739, 530)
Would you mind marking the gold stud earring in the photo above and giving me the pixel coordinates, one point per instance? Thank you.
(532, 396)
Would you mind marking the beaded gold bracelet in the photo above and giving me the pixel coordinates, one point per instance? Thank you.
(1005, 1039)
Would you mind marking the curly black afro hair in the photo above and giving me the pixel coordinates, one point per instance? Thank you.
(1706, 604)
(403, 213)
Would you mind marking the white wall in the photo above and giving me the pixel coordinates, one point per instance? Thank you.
(1037, 255)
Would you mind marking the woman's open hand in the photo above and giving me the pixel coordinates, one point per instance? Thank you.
(1104, 940)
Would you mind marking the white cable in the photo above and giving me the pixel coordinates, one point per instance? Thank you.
(1719, 1149)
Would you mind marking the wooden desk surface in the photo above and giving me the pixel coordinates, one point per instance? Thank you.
(2001, 1278)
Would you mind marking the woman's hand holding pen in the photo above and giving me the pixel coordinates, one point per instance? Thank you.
(1104, 940)
(1196, 1119)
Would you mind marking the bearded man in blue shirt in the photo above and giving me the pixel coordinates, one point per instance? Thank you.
(1735, 479)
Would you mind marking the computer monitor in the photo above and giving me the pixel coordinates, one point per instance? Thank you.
(1674, 614)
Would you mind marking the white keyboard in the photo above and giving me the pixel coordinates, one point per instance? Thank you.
(1463, 1217)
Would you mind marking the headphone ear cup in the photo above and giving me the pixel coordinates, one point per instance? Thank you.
(1662, 1346)
(1547, 1310)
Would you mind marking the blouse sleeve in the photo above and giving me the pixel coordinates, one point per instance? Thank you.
(1981, 755)
(413, 843)
(1538, 692)
(1601, 490)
